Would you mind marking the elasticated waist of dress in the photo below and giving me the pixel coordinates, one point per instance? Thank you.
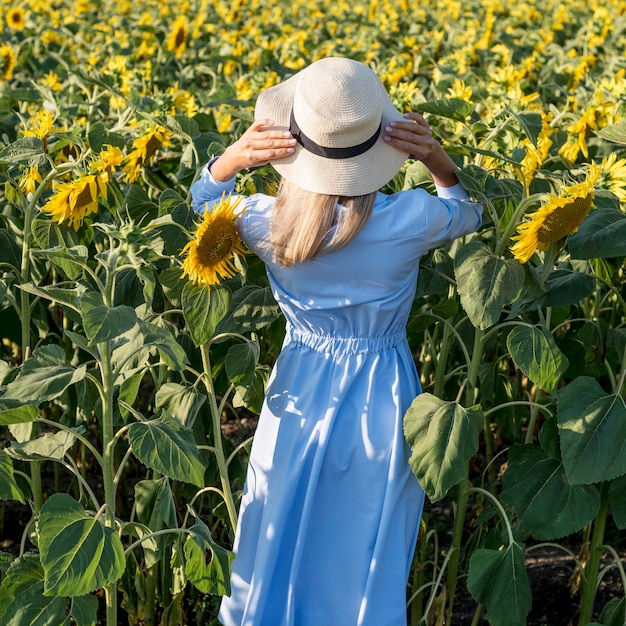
(344, 345)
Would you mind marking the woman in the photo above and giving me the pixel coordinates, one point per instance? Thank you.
(330, 511)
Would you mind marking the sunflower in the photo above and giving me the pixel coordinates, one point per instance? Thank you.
(613, 176)
(29, 181)
(16, 18)
(559, 217)
(144, 149)
(211, 254)
(177, 39)
(109, 158)
(73, 201)
(7, 62)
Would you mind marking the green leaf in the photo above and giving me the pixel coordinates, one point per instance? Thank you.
(24, 150)
(612, 613)
(531, 122)
(453, 108)
(617, 501)
(19, 415)
(44, 376)
(180, 401)
(47, 446)
(62, 295)
(535, 352)
(168, 447)
(156, 509)
(443, 437)
(22, 599)
(172, 284)
(103, 323)
(498, 579)
(592, 430)
(180, 125)
(85, 610)
(252, 308)
(49, 234)
(252, 395)
(615, 132)
(99, 136)
(203, 307)
(139, 205)
(165, 343)
(565, 287)
(240, 362)
(486, 283)
(207, 565)
(547, 506)
(10, 252)
(79, 553)
(9, 489)
(71, 261)
(602, 235)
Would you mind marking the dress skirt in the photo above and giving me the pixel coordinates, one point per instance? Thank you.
(331, 510)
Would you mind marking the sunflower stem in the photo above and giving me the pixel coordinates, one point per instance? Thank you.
(512, 225)
(217, 436)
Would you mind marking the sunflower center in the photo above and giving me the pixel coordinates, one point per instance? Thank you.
(217, 242)
(180, 37)
(564, 220)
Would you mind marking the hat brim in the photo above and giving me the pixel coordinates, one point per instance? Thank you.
(353, 176)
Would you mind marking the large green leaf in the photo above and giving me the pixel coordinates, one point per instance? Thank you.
(10, 252)
(602, 235)
(9, 489)
(240, 362)
(44, 376)
(592, 431)
(454, 108)
(535, 352)
(156, 509)
(207, 565)
(617, 501)
(168, 447)
(615, 132)
(62, 295)
(78, 552)
(103, 323)
(486, 283)
(443, 437)
(22, 599)
(25, 150)
(547, 506)
(203, 308)
(18, 415)
(498, 579)
(47, 446)
(85, 610)
(252, 308)
(180, 401)
(70, 261)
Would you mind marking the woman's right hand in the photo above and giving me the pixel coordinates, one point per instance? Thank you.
(259, 145)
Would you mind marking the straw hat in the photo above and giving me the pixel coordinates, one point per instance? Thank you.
(337, 108)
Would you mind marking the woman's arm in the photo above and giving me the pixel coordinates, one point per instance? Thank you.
(415, 137)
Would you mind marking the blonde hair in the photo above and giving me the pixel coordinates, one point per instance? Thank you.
(302, 222)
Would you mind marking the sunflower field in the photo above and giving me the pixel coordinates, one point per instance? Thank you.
(132, 364)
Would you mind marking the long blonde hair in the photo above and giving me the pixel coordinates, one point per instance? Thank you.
(302, 222)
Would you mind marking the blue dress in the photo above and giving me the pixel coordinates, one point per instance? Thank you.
(330, 511)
